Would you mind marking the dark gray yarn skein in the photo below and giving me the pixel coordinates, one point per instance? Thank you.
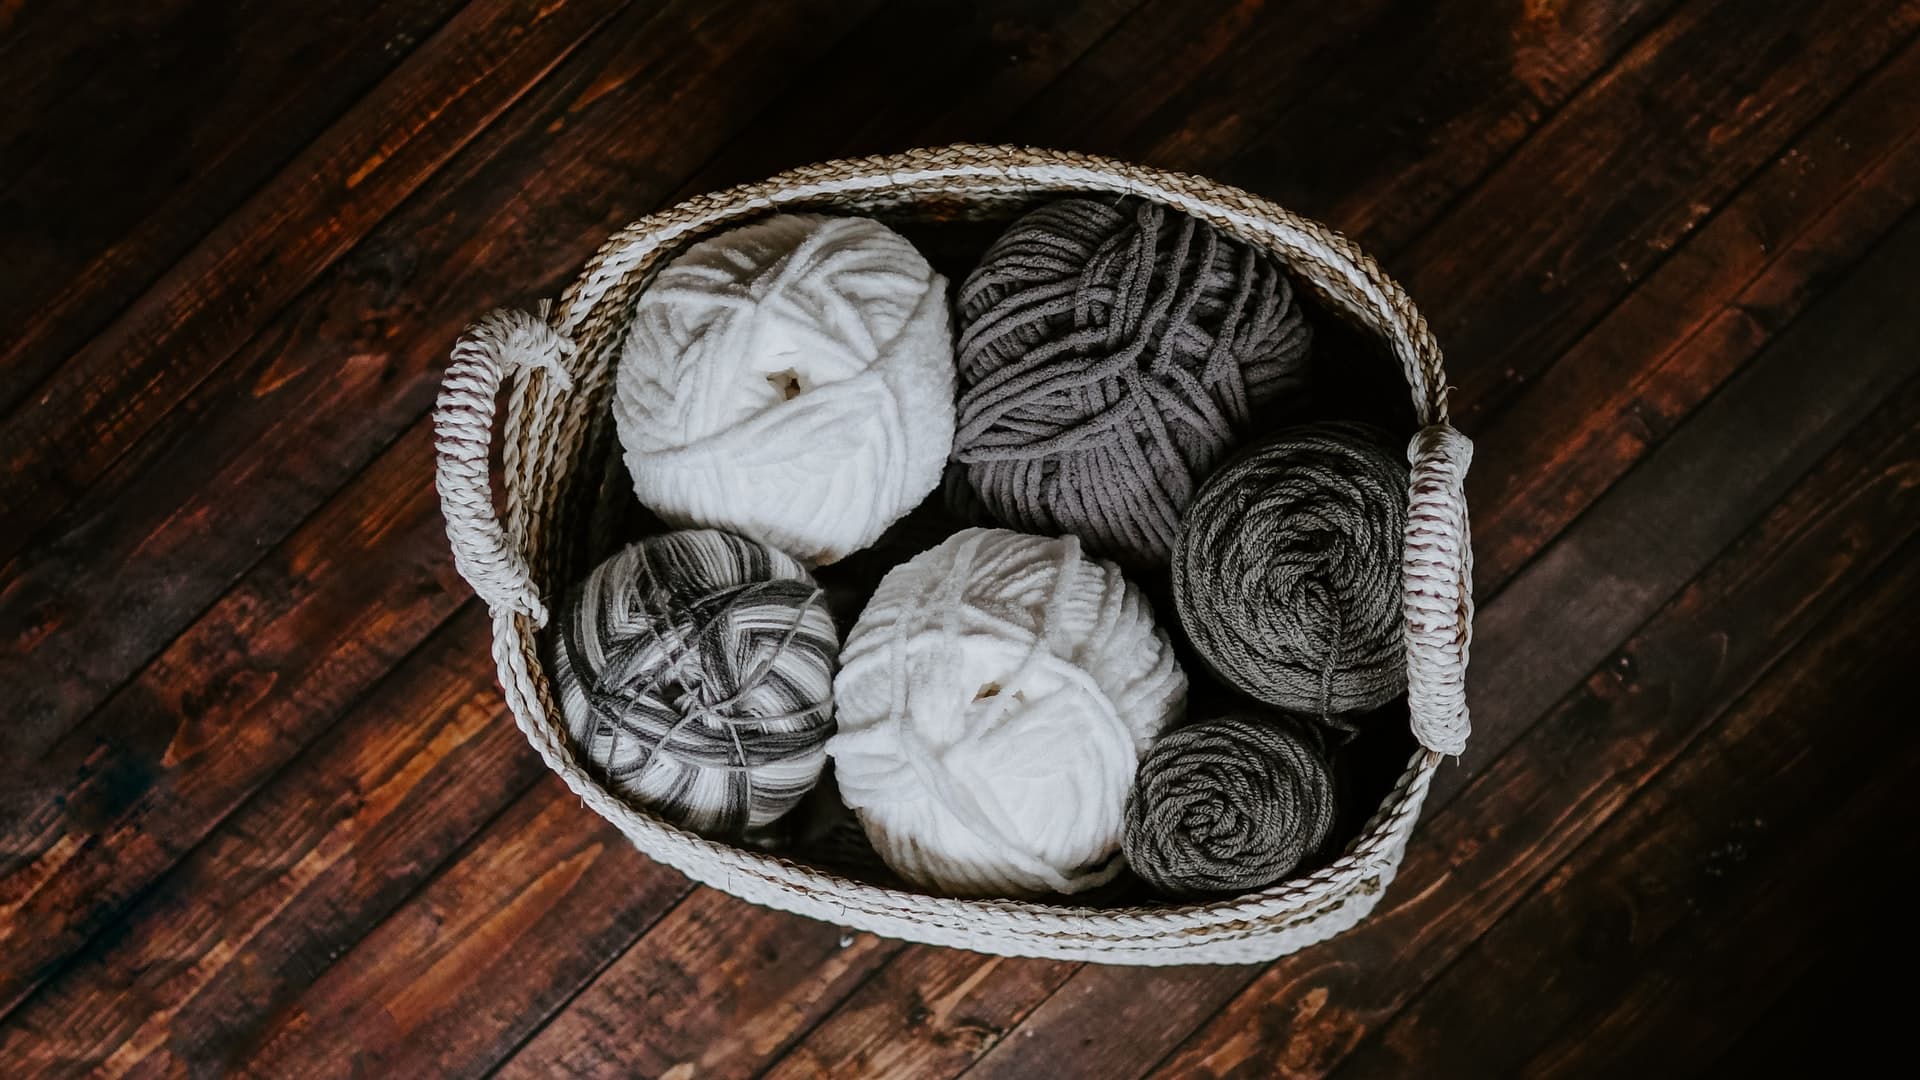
(1110, 354)
(1229, 805)
(695, 670)
(1287, 570)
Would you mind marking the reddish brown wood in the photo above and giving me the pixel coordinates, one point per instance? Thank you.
(930, 1012)
(120, 798)
(111, 393)
(1726, 292)
(724, 988)
(141, 126)
(299, 873)
(1678, 125)
(406, 1000)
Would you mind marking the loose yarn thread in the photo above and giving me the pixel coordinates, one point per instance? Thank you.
(791, 381)
(1110, 354)
(994, 700)
(695, 670)
(1228, 805)
(1287, 570)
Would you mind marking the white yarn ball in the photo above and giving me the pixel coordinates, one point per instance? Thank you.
(792, 381)
(994, 700)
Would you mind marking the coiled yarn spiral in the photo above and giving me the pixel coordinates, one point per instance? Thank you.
(695, 670)
(791, 381)
(1288, 568)
(994, 700)
(1229, 805)
(1110, 354)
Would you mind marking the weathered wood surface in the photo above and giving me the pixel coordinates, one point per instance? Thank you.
(261, 810)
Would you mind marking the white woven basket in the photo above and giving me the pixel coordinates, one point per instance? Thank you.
(562, 472)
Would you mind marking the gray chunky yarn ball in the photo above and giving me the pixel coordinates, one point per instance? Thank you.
(1110, 354)
(1229, 805)
(1286, 575)
(695, 670)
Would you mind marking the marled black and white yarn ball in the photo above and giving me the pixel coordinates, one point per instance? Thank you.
(695, 670)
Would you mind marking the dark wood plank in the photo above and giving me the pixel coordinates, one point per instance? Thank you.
(132, 129)
(1526, 809)
(724, 988)
(358, 585)
(1696, 491)
(1728, 291)
(998, 60)
(1704, 983)
(1726, 869)
(1666, 52)
(333, 380)
(113, 391)
(293, 878)
(121, 798)
(1611, 184)
(457, 958)
(1810, 1027)
(923, 1015)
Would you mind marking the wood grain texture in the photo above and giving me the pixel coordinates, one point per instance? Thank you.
(110, 182)
(111, 393)
(263, 812)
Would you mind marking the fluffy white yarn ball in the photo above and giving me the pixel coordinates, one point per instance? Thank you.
(792, 381)
(994, 700)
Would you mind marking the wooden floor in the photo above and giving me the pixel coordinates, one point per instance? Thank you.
(262, 808)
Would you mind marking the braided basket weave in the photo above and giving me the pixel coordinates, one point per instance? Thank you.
(563, 477)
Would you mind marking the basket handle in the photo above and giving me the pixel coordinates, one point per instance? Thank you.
(1438, 583)
(500, 344)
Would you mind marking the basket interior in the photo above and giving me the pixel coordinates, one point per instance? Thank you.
(592, 512)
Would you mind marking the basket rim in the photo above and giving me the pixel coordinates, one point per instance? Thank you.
(540, 426)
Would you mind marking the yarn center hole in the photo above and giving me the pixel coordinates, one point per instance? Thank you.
(993, 689)
(786, 383)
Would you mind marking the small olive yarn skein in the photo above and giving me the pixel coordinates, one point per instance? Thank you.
(1229, 805)
(790, 380)
(1110, 354)
(695, 670)
(1286, 575)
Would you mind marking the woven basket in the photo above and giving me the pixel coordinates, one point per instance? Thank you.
(563, 480)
